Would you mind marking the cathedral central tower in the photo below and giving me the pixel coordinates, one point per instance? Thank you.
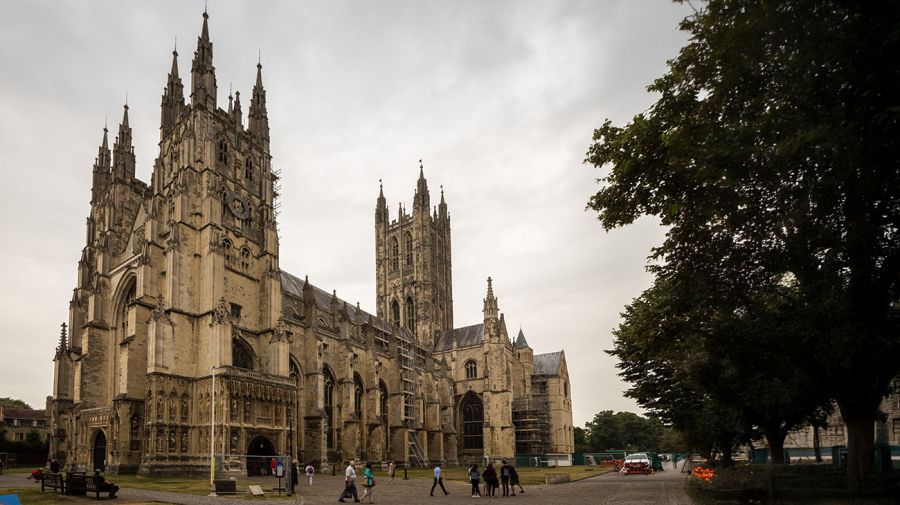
(412, 264)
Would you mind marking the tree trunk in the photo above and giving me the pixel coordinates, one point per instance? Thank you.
(860, 445)
(817, 448)
(775, 438)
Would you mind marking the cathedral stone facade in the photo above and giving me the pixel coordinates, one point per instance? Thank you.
(186, 338)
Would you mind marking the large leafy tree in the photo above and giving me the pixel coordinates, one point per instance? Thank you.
(772, 157)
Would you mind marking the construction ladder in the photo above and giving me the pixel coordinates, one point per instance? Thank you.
(415, 450)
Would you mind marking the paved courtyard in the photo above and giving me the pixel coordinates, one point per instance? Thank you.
(664, 488)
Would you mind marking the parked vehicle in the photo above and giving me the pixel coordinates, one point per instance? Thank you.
(638, 462)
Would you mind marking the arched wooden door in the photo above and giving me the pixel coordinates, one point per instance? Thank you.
(100, 451)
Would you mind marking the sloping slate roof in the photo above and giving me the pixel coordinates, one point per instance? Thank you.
(520, 340)
(293, 286)
(464, 337)
(547, 364)
(17, 413)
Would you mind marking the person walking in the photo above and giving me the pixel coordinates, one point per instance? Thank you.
(392, 469)
(490, 477)
(504, 477)
(54, 466)
(369, 483)
(310, 470)
(514, 480)
(349, 484)
(475, 478)
(438, 480)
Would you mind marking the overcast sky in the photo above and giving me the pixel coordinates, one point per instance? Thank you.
(498, 98)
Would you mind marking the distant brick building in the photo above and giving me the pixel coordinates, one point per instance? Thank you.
(18, 422)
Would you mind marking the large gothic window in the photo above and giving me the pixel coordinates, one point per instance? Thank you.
(410, 315)
(395, 254)
(473, 422)
(329, 408)
(241, 354)
(409, 250)
(395, 313)
(471, 369)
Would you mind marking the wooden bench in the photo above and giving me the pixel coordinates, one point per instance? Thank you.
(92, 487)
(53, 481)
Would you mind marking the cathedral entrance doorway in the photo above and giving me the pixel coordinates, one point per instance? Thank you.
(472, 415)
(259, 456)
(100, 451)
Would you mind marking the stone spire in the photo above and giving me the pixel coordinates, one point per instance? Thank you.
(203, 73)
(442, 207)
(421, 200)
(258, 116)
(521, 343)
(172, 98)
(102, 166)
(236, 114)
(123, 151)
(490, 303)
(381, 210)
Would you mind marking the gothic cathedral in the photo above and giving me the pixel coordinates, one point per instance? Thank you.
(185, 338)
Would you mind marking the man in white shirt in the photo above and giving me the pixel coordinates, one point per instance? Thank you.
(349, 484)
(438, 480)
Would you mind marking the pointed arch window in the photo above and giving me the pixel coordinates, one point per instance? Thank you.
(329, 408)
(395, 313)
(245, 258)
(471, 369)
(357, 395)
(410, 314)
(382, 401)
(472, 422)
(395, 254)
(409, 249)
(248, 169)
(222, 151)
(242, 355)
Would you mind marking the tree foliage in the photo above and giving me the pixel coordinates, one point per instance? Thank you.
(628, 431)
(771, 156)
(13, 402)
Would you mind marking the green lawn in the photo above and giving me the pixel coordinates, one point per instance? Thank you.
(190, 485)
(527, 476)
(34, 496)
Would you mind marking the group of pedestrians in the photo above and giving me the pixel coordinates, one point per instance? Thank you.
(509, 478)
(350, 484)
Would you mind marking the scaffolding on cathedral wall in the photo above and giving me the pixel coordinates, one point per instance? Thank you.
(531, 418)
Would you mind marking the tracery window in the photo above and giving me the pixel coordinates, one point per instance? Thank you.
(395, 313)
(395, 254)
(248, 169)
(473, 422)
(245, 258)
(471, 369)
(222, 151)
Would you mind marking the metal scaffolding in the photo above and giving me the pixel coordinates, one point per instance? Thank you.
(532, 421)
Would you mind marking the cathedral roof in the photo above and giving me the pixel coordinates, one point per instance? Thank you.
(521, 343)
(464, 337)
(293, 286)
(547, 364)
